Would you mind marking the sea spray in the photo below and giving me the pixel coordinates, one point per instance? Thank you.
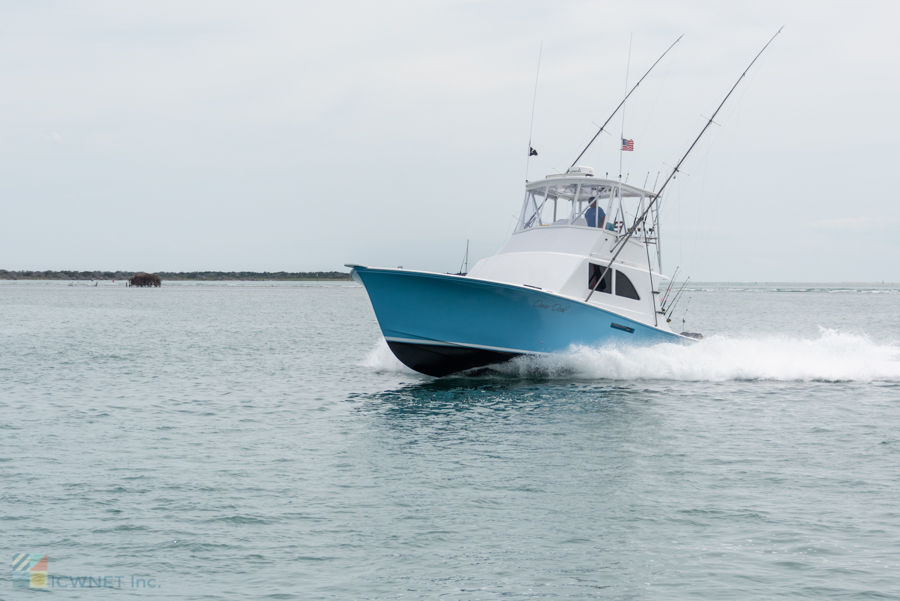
(833, 356)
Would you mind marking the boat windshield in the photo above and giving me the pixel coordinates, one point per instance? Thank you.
(567, 204)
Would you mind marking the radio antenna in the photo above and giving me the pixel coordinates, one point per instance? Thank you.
(622, 145)
(621, 243)
(531, 151)
(605, 123)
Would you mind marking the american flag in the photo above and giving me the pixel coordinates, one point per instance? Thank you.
(628, 145)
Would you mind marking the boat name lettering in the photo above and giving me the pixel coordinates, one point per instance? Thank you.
(554, 307)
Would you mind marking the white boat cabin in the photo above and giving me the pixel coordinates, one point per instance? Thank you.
(569, 227)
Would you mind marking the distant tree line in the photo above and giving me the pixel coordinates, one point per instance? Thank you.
(182, 275)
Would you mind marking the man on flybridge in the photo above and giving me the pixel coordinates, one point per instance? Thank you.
(595, 216)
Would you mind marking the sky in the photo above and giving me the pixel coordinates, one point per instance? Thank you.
(300, 136)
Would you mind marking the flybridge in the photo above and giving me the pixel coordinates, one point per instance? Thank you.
(565, 200)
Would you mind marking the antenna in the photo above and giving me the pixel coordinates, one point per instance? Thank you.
(605, 123)
(531, 150)
(622, 135)
(464, 267)
(621, 243)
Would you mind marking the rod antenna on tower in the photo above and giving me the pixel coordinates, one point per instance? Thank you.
(622, 145)
(531, 151)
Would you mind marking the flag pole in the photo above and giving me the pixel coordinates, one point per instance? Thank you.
(621, 243)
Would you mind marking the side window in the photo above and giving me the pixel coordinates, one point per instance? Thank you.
(624, 287)
(548, 211)
(539, 209)
(595, 272)
(530, 210)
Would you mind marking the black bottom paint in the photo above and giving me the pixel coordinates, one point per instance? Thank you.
(438, 361)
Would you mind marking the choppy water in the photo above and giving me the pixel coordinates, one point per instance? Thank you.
(252, 441)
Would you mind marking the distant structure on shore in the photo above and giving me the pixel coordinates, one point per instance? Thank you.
(202, 276)
(145, 279)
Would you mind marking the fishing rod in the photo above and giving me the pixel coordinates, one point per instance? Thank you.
(623, 101)
(677, 298)
(684, 315)
(633, 228)
(666, 295)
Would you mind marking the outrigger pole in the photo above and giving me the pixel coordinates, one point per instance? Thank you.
(624, 99)
(643, 216)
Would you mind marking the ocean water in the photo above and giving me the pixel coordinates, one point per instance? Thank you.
(259, 441)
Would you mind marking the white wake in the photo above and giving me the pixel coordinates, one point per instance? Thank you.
(832, 356)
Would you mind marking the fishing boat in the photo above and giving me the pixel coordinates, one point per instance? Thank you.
(548, 288)
(583, 267)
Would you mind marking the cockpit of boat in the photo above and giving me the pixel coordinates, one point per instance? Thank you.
(577, 199)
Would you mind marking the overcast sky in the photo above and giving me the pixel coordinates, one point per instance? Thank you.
(295, 136)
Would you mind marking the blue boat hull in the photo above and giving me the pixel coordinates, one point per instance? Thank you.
(439, 324)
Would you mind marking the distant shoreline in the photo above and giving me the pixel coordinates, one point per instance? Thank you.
(194, 276)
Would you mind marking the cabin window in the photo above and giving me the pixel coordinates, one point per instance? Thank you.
(624, 287)
(593, 279)
(530, 209)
